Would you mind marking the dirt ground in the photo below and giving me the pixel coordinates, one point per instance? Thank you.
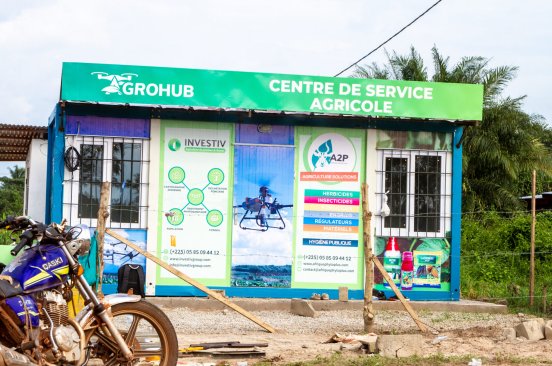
(285, 348)
(468, 337)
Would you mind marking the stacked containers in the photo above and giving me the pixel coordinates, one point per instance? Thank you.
(392, 261)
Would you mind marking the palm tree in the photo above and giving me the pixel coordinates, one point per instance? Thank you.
(11, 192)
(501, 151)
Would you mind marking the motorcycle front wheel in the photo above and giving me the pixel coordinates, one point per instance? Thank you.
(147, 331)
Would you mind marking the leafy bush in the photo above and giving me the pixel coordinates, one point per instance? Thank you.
(495, 260)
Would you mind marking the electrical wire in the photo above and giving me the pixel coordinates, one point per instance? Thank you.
(388, 39)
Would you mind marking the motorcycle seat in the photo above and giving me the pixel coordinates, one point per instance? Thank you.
(9, 288)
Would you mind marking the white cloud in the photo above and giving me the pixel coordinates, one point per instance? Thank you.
(261, 248)
(306, 37)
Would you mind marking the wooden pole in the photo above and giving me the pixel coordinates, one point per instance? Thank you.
(400, 296)
(533, 222)
(192, 282)
(103, 214)
(368, 312)
(544, 299)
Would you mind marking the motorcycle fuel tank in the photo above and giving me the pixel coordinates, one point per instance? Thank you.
(39, 269)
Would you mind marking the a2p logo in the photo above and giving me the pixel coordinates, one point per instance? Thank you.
(330, 152)
(116, 81)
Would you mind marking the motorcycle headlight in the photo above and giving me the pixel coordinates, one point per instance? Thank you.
(81, 244)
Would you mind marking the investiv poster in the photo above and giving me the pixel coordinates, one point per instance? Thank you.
(327, 249)
(194, 197)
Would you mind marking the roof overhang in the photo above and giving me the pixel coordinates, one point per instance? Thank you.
(255, 116)
(16, 139)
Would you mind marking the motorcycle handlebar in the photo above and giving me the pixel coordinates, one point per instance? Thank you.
(7, 222)
(18, 222)
(22, 223)
(26, 239)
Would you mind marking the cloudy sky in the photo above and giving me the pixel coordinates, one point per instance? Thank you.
(297, 37)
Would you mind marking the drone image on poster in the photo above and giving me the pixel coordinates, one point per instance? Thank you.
(123, 256)
(263, 211)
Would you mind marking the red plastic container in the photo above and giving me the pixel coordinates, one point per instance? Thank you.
(407, 271)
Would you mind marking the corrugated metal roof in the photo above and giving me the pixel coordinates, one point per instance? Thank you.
(15, 140)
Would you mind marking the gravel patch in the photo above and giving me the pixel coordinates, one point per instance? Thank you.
(328, 322)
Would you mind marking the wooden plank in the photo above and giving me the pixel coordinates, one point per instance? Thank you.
(368, 311)
(192, 282)
(103, 214)
(209, 345)
(400, 296)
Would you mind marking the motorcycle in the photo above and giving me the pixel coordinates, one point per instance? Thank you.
(35, 326)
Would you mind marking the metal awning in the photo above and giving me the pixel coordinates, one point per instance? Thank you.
(15, 140)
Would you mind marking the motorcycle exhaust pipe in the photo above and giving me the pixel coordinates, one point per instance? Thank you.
(9, 357)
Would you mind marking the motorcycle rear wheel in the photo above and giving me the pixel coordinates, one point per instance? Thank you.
(146, 329)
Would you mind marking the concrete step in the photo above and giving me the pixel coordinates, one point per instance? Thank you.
(250, 304)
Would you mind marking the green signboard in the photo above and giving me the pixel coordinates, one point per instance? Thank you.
(143, 85)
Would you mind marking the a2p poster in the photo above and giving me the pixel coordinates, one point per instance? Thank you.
(328, 224)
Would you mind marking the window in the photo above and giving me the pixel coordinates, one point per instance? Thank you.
(125, 182)
(90, 180)
(396, 172)
(427, 193)
(417, 185)
(121, 161)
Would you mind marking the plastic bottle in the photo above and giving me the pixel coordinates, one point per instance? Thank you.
(407, 271)
(392, 261)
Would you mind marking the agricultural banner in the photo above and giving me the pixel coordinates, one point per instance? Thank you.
(431, 263)
(125, 84)
(327, 246)
(194, 196)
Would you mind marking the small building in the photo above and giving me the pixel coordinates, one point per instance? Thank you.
(251, 182)
(543, 201)
(27, 143)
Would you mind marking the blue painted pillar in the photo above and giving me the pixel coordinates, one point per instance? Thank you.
(456, 214)
(55, 169)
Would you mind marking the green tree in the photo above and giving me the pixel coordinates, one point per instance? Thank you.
(499, 153)
(11, 192)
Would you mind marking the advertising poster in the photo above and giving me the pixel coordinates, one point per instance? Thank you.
(429, 269)
(116, 254)
(263, 207)
(327, 248)
(194, 235)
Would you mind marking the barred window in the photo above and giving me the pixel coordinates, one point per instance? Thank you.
(417, 187)
(90, 180)
(121, 161)
(125, 182)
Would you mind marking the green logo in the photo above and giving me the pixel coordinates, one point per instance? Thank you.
(195, 197)
(175, 216)
(177, 174)
(215, 176)
(174, 144)
(214, 218)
